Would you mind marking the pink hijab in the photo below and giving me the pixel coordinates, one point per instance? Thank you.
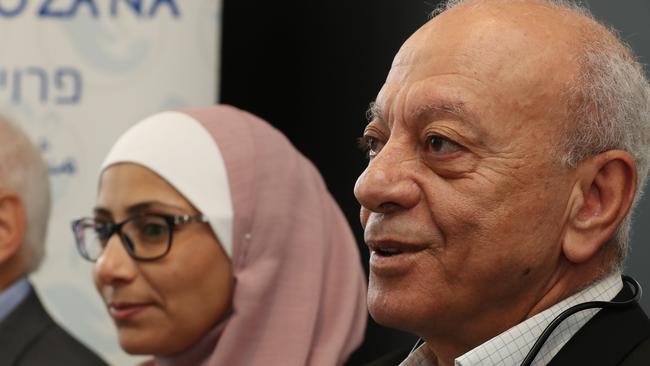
(299, 288)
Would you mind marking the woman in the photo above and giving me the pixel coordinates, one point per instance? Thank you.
(217, 243)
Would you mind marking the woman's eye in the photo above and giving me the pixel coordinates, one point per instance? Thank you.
(103, 231)
(442, 145)
(153, 230)
(370, 145)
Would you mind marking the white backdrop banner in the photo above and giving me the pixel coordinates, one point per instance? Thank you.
(75, 74)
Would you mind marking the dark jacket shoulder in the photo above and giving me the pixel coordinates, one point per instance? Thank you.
(613, 337)
(29, 336)
(639, 356)
(391, 359)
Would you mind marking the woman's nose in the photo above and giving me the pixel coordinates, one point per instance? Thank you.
(114, 265)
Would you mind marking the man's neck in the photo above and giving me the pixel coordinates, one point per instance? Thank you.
(570, 280)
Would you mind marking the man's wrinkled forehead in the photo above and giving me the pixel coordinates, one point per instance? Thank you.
(516, 55)
(496, 38)
(426, 109)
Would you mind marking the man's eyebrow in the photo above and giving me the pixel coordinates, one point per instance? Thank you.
(375, 112)
(440, 108)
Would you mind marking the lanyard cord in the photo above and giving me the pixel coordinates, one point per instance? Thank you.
(416, 345)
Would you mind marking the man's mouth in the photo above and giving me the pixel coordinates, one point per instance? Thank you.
(387, 252)
(389, 248)
(390, 258)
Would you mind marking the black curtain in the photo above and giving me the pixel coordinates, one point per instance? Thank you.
(311, 69)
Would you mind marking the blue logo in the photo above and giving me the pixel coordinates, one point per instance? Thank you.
(62, 86)
(69, 9)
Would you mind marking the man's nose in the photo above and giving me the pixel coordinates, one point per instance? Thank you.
(387, 183)
(115, 265)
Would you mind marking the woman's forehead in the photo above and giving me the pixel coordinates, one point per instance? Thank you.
(127, 187)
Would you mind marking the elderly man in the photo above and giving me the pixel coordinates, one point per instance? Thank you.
(28, 336)
(505, 150)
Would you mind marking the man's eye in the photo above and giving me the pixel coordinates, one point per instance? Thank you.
(442, 145)
(370, 145)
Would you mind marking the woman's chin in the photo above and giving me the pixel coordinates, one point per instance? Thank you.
(139, 344)
(155, 344)
(133, 347)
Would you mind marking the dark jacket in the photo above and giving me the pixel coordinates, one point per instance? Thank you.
(613, 337)
(29, 337)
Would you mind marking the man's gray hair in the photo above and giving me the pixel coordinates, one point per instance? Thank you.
(23, 170)
(609, 101)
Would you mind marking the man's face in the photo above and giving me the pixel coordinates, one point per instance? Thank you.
(463, 200)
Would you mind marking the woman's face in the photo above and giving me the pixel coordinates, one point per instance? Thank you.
(164, 306)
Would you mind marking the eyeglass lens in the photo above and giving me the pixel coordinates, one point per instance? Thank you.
(145, 237)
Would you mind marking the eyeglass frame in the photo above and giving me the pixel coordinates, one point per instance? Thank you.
(171, 220)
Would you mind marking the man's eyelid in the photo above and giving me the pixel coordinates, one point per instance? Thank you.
(446, 138)
(374, 130)
(448, 133)
(455, 147)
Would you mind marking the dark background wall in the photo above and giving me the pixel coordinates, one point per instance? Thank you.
(311, 68)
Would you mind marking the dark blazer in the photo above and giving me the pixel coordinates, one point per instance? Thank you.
(614, 337)
(29, 337)
(611, 338)
(391, 359)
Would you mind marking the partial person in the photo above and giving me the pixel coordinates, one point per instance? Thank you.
(217, 243)
(28, 335)
(506, 149)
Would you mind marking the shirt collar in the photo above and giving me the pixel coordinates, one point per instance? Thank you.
(11, 297)
(511, 346)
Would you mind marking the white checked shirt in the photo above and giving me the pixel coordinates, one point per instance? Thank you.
(510, 347)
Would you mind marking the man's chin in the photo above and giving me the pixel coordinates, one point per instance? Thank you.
(387, 309)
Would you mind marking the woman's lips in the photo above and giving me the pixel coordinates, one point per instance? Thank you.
(126, 311)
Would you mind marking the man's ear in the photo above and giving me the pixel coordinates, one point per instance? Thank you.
(12, 225)
(603, 195)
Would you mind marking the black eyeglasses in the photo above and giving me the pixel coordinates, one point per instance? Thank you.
(145, 237)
